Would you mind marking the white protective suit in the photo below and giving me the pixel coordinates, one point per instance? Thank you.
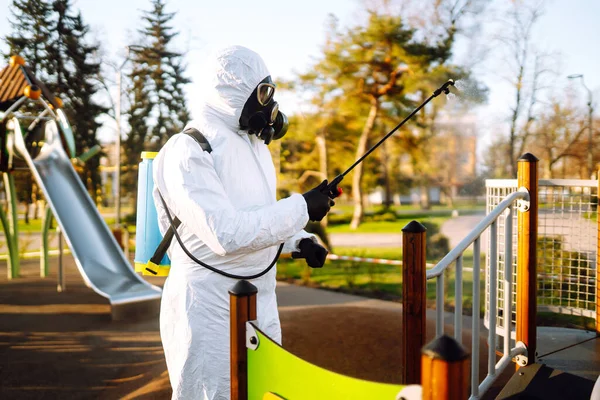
(230, 220)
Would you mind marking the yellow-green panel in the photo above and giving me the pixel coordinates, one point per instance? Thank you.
(271, 369)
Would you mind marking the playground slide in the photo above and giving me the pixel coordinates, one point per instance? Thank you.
(97, 254)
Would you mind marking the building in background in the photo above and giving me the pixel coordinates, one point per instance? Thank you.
(451, 164)
(454, 154)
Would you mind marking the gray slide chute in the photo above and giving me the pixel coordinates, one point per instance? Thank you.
(99, 258)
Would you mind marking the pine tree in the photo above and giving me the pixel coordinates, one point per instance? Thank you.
(75, 75)
(158, 107)
(31, 28)
(53, 40)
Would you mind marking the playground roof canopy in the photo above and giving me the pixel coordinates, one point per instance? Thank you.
(14, 78)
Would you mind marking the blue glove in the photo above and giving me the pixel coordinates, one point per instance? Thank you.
(314, 253)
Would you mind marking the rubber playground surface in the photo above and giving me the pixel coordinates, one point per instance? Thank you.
(64, 345)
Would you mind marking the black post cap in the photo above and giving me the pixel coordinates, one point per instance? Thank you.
(414, 227)
(445, 348)
(243, 288)
(528, 157)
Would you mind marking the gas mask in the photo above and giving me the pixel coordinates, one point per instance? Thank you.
(261, 115)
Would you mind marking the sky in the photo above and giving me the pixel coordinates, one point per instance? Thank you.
(289, 36)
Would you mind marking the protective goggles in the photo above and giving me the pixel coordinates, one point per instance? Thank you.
(265, 92)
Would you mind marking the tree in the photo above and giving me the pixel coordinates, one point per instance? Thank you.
(370, 64)
(75, 73)
(30, 24)
(158, 108)
(53, 39)
(384, 67)
(30, 31)
(527, 67)
(559, 136)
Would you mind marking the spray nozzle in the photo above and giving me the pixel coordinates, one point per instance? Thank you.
(444, 88)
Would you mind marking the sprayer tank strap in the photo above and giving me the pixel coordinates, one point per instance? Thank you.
(162, 248)
(199, 138)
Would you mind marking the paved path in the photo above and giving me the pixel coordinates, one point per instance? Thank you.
(455, 228)
(102, 359)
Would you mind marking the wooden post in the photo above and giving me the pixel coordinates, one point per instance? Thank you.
(598, 258)
(445, 374)
(527, 257)
(242, 308)
(413, 300)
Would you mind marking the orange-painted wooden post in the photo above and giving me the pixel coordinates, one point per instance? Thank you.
(242, 308)
(526, 310)
(413, 300)
(445, 370)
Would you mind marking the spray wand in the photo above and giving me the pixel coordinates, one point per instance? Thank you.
(332, 189)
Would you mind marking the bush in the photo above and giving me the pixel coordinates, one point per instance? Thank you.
(432, 229)
(339, 219)
(385, 217)
(130, 219)
(319, 230)
(438, 246)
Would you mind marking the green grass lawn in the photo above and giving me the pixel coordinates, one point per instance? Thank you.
(379, 220)
(35, 225)
(385, 226)
(381, 281)
(347, 208)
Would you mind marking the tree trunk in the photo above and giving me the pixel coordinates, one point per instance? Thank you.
(358, 170)
(35, 201)
(512, 140)
(387, 180)
(548, 167)
(425, 198)
(27, 212)
(321, 143)
(451, 193)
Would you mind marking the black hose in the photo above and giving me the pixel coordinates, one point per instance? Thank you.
(211, 268)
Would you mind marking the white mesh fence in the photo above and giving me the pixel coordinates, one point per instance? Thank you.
(567, 246)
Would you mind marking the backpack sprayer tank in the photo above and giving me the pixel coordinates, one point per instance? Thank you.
(148, 235)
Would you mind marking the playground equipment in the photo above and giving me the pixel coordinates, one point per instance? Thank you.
(41, 148)
(261, 369)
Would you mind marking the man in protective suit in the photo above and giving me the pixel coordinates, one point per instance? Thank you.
(231, 220)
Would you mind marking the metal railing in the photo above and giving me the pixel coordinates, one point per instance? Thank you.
(456, 256)
(525, 200)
